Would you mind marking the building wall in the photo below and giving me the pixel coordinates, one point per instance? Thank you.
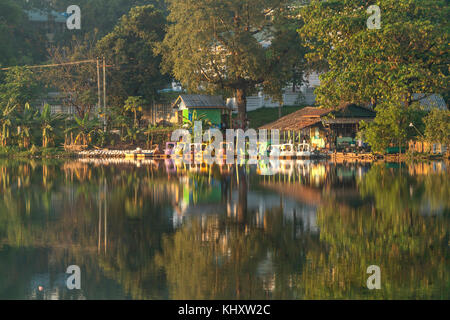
(213, 115)
(305, 96)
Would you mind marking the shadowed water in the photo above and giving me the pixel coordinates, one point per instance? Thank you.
(155, 230)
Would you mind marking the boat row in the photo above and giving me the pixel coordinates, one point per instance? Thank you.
(282, 151)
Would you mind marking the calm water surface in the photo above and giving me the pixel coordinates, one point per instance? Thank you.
(154, 230)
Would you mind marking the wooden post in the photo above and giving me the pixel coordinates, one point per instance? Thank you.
(104, 94)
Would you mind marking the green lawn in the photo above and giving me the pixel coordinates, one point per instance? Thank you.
(263, 116)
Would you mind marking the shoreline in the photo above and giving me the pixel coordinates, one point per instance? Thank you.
(122, 154)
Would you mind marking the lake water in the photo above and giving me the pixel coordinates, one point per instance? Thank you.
(153, 230)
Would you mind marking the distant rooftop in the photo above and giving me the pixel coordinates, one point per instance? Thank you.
(430, 101)
(37, 15)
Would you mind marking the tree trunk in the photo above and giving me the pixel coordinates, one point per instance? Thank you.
(407, 101)
(374, 102)
(241, 99)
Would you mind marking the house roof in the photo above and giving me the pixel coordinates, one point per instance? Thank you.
(309, 116)
(430, 101)
(199, 101)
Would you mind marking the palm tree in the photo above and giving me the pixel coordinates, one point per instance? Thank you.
(49, 124)
(6, 121)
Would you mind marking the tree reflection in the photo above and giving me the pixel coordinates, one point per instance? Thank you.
(139, 232)
(391, 231)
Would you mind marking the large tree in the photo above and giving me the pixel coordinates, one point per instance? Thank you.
(20, 43)
(408, 54)
(76, 83)
(228, 46)
(19, 86)
(131, 48)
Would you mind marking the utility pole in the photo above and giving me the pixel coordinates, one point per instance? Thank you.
(104, 94)
(98, 85)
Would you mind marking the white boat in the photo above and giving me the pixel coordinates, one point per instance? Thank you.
(287, 151)
(303, 150)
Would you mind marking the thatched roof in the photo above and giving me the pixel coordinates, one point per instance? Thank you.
(309, 116)
(298, 120)
(199, 101)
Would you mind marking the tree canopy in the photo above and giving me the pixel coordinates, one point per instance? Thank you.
(19, 42)
(409, 54)
(228, 46)
(131, 48)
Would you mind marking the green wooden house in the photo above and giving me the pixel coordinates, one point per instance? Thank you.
(212, 108)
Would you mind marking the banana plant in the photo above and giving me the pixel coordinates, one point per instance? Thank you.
(6, 121)
(84, 129)
(190, 123)
(50, 125)
(26, 121)
(133, 134)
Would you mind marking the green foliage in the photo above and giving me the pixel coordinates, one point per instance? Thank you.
(26, 122)
(6, 121)
(409, 54)
(190, 123)
(131, 48)
(437, 126)
(391, 127)
(84, 129)
(264, 116)
(20, 43)
(19, 86)
(51, 126)
(132, 134)
(134, 105)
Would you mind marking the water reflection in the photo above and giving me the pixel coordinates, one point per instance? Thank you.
(164, 230)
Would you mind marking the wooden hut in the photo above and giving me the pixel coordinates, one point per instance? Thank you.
(212, 108)
(323, 128)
